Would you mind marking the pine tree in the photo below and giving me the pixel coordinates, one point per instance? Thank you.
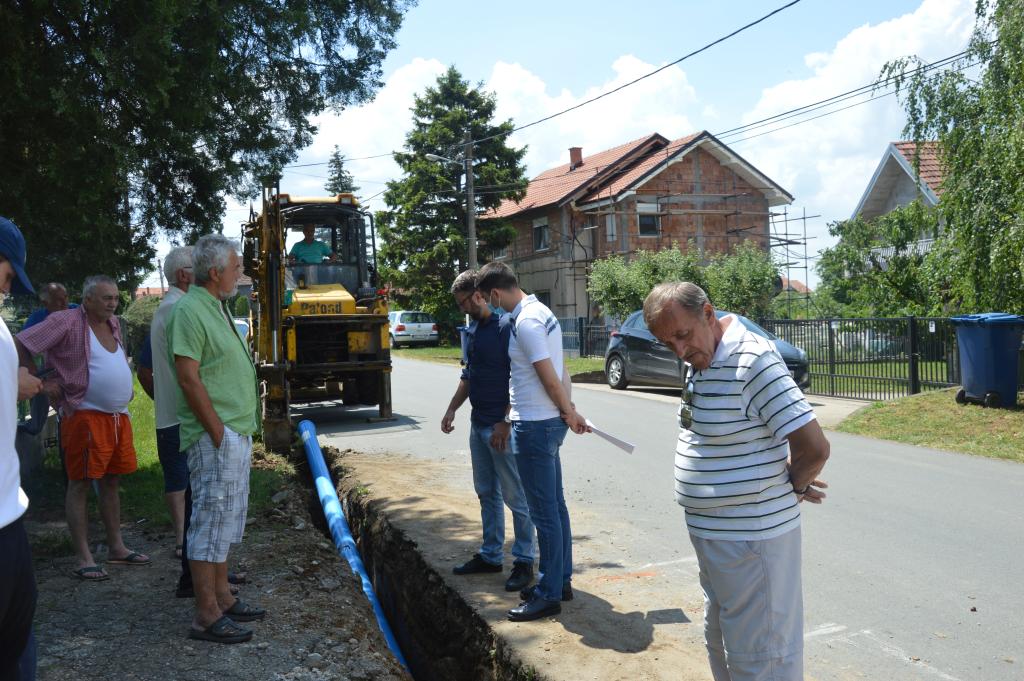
(339, 180)
(423, 233)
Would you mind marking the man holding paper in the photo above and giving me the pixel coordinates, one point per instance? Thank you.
(749, 451)
(484, 381)
(540, 413)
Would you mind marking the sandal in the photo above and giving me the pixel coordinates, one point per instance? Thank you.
(132, 558)
(221, 631)
(243, 612)
(92, 573)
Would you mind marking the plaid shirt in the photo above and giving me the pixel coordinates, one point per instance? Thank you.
(64, 338)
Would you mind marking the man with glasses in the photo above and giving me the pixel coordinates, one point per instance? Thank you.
(748, 453)
(495, 475)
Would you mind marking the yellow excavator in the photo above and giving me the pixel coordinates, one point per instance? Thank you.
(318, 330)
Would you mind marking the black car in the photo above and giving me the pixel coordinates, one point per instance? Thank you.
(634, 355)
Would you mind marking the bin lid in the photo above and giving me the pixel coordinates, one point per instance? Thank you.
(988, 318)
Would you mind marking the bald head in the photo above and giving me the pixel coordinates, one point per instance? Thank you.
(54, 296)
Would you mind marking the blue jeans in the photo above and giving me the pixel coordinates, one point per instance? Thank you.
(496, 478)
(536, 444)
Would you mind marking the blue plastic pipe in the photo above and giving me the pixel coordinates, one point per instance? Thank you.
(340, 530)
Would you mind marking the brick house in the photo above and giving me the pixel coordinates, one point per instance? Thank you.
(651, 193)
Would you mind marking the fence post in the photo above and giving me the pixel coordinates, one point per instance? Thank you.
(831, 358)
(912, 364)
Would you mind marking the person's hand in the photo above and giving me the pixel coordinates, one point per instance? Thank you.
(448, 422)
(499, 438)
(291, 259)
(576, 422)
(218, 441)
(51, 386)
(28, 385)
(812, 493)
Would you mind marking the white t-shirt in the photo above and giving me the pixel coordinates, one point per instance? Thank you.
(536, 335)
(13, 500)
(110, 379)
(165, 379)
(730, 466)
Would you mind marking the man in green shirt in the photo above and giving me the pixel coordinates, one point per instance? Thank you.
(217, 409)
(309, 251)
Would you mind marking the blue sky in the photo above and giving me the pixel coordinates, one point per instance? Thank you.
(540, 57)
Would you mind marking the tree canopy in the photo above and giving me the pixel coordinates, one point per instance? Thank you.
(974, 109)
(423, 232)
(129, 118)
(741, 281)
(339, 180)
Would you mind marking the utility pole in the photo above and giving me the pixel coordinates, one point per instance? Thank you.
(467, 155)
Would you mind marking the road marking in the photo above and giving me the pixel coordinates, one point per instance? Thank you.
(892, 650)
(678, 561)
(825, 629)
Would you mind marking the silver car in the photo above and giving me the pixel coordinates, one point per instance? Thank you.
(412, 327)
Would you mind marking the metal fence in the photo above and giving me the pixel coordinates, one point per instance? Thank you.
(580, 338)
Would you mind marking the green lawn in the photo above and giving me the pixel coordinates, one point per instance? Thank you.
(448, 354)
(934, 419)
(142, 493)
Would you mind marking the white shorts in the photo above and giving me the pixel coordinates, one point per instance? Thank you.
(220, 495)
(753, 607)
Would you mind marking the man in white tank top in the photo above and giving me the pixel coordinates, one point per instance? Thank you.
(93, 388)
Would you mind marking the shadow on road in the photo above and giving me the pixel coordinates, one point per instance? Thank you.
(599, 625)
(334, 418)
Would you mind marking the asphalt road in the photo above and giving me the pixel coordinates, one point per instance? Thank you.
(913, 568)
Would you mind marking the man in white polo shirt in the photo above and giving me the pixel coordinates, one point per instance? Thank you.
(749, 451)
(540, 412)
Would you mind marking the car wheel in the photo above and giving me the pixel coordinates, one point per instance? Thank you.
(615, 373)
(394, 343)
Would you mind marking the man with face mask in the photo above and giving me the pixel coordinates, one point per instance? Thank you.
(495, 475)
(217, 415)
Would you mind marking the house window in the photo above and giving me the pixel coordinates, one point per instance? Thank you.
(609, 227)
(501, 252)
(648, 219)
(544, 297)
(541, 235)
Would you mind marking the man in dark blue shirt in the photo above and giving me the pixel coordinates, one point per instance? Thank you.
(484, 381)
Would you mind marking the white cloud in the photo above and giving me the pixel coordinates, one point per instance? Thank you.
(827, 163)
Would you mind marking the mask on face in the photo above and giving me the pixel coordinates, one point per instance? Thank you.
(495, 309)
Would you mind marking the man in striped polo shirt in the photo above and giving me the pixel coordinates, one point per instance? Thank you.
(749, 451)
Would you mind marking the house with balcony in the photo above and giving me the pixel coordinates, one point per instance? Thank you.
(651, 193)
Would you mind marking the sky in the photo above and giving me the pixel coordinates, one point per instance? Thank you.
(542, 57)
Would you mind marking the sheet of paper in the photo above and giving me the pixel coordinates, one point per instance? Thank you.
(627, 447)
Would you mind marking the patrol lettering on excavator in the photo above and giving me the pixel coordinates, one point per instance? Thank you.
(320, 308)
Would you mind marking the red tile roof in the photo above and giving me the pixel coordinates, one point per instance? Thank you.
(556, 184)
(930, 169)
(150, 291)
(625, 179)
(794, 285)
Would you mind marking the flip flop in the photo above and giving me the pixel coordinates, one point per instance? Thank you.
(222, 631)
(132, 558)
(92, 573)
(241, 611)
(238, 578)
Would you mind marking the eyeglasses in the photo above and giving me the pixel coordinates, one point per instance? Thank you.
(685, 412)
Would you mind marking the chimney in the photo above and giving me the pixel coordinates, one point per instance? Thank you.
(575, 157)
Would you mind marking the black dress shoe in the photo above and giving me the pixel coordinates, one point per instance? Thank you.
(522, 575)
(534, 610)
(529, 593)
(475, 565)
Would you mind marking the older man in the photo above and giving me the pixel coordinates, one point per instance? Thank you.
(748, 453)
(54, 298)
(17, 581)
(161, 383)
(92, 391)
(309, 251)
(217, 414)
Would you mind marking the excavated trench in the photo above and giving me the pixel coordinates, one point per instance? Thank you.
(440, 635)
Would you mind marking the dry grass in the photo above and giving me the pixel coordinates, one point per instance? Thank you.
(934, 419)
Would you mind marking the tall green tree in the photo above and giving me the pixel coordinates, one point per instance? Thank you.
(423, 232)
(125, 119)
(975, 109)
(339, 180)
(743, 280)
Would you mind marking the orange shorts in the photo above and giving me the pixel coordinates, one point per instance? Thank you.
(96, 444)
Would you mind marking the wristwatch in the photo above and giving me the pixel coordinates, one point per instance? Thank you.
(508, 419)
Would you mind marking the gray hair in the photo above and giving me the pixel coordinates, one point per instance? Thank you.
(212, 251)
(179, 258)
(465, 283)
(686, 295)
(94, 281)
(46, 290)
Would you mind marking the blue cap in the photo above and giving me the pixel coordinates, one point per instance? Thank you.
(12, 247)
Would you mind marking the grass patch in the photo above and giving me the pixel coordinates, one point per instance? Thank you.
(934, 419)
(449, 354)
(142, 492)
